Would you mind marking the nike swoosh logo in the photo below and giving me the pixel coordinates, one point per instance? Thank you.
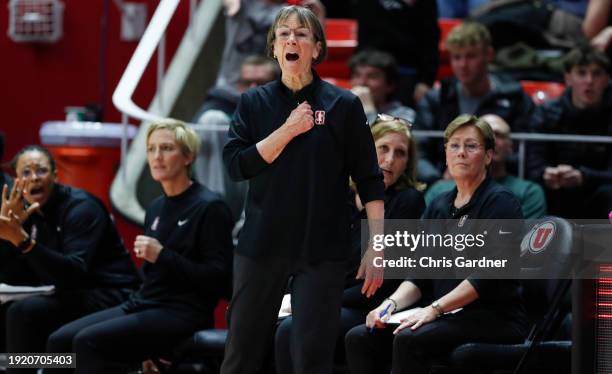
(181, 223)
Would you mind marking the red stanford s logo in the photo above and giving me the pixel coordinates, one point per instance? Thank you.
(319, 116)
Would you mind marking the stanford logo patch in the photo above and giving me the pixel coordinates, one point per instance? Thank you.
(319, 116)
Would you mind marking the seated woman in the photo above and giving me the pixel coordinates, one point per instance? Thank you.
(492, 309)
(397, 158)
(186, 247)
(61, 236)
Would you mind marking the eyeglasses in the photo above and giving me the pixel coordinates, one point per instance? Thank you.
(468, 147)
(39, 172)
(382, 117)
(284, 33)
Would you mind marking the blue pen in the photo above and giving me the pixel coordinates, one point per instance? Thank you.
(381, 315)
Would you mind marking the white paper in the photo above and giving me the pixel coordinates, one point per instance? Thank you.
(10, 293)
(285, 309)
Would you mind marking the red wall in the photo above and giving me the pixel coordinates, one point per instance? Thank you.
(39, 80)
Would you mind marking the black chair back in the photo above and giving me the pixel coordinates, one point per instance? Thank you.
(546, 260)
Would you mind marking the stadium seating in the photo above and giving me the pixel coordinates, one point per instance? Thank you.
(341, 43)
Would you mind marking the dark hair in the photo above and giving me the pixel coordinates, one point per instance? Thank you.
(585, 55)
(378, 59)
(36, 148)
(308, 19)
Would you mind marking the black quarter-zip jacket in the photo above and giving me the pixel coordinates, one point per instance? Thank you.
(192, 270)
(77, 244)
(296, 206)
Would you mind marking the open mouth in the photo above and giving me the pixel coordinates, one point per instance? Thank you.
(292, 56)
(36, 191)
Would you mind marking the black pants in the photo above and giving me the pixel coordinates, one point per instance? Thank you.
(111, 340)
(349, 318)
(258, 289)
(30, 321)
(413, 351)
(3, 309)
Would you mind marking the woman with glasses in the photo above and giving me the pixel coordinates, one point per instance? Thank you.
(490, 310)
(397, 157)
(186, 248)
(297, 141)
(59, 236)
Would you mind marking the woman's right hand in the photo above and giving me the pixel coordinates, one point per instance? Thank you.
(376, 319)
(13, 213)
(13, 203)
(300, 120)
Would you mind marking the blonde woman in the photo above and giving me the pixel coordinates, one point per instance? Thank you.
(185, 247)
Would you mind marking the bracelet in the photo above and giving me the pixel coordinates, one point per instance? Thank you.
(438, 308)
(393, 302)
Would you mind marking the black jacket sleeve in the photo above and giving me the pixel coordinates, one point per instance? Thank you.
(240, 154)
(214, 241)
(83, 228)
(362, 160)
(596, 177)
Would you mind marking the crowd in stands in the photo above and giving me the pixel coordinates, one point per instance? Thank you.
(113, 315)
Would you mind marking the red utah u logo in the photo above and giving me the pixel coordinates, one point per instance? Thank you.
(541, 236)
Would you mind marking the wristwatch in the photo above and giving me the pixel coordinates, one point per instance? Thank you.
(438, 308)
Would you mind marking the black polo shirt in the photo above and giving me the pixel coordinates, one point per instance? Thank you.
(494, 205)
